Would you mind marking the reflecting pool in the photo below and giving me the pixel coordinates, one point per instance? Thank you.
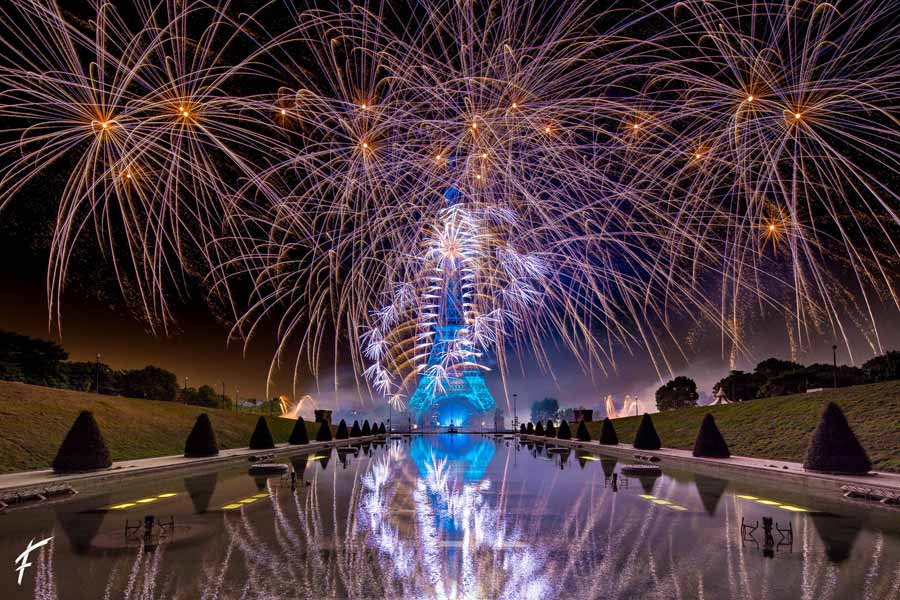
(452, 516)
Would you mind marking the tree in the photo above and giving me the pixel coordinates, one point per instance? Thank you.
(262, 437)
(205, 395)
(834, 447)
(522, 429)
(709, 442)
(342, 433)
(550, 430)
(366, 428)
(529, 429)
(646, 437)
(83, 448)
(773, 367)
(608, 435)
(544, 409)
(539, 429)
(201, 441)
(150, 382)
(583, 434)
(324, 434)
(31, 360)
(739, 386)
(299, 435)
(680, 392)
(883, 368)
(355, 431)
(564, 433)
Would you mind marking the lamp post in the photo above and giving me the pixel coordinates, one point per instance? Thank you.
(184, 395)
(834, 357)
(97, 374)
(515, 422)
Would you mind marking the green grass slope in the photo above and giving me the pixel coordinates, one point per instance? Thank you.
(780, 428)
(34, 420)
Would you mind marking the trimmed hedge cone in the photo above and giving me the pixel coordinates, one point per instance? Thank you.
(262, 437)
(83, 448)
(342, 433)
(539, 429)
(709, 442)
(522, 429)
(529, 429)
(324, 434)
(366, 428)
(564, 432)
(646, 437)
(355, 431)
(550, 431)
(583, 434)
(382, 430)
(834, 447)
(201, 441)
(608, 435)
(299, 436)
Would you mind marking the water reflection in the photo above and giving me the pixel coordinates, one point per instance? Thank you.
(469, 516)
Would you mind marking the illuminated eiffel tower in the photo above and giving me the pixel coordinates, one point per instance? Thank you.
(451, 388)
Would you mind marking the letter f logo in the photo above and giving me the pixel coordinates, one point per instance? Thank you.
(23, 558)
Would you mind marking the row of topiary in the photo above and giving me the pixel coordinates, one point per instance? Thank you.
(833, 448)
(84, 449)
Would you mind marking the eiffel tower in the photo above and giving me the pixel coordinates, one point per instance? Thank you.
(463, 393)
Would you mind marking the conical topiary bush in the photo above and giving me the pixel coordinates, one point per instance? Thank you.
(201, 441)
(355, 431)
(366, 428)
(342, 433)
(262, 437)
(324, 434)
(583, 434)
(834, 447)
(529, 429)
(709, 442)
(608, 435)
(646, 437)
(382, 429)
(522, 429)
(83, 448)
(564, 432)
(539, 429)
(299, 435)
(550, 430)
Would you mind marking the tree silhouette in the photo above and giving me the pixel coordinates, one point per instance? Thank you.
(262, 437)
(681, 392)
(299, 435)
(834, 447)
(709, 442)
(583, 434)
(342, 433)
(608, 435)
(324, 434)
(564, 432)
(646, 437)
(83, 448)
(201, 441)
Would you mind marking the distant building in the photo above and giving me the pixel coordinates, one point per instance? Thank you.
(323, 415)
(584, 414)
(499, 424)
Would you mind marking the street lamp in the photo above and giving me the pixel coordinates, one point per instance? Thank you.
(834, 356)
(97, 373)
(515, 422)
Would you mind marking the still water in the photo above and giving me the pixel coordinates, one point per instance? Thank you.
(451, 516)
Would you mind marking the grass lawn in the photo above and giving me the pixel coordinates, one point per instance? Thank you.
(779, 428)
(34, 420)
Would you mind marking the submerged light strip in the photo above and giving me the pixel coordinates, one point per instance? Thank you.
(147, 500)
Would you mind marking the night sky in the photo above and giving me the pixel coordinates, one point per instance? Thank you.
(96, 319)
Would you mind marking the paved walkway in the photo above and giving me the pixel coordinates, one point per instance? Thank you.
(145, 466)
(776, 471)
